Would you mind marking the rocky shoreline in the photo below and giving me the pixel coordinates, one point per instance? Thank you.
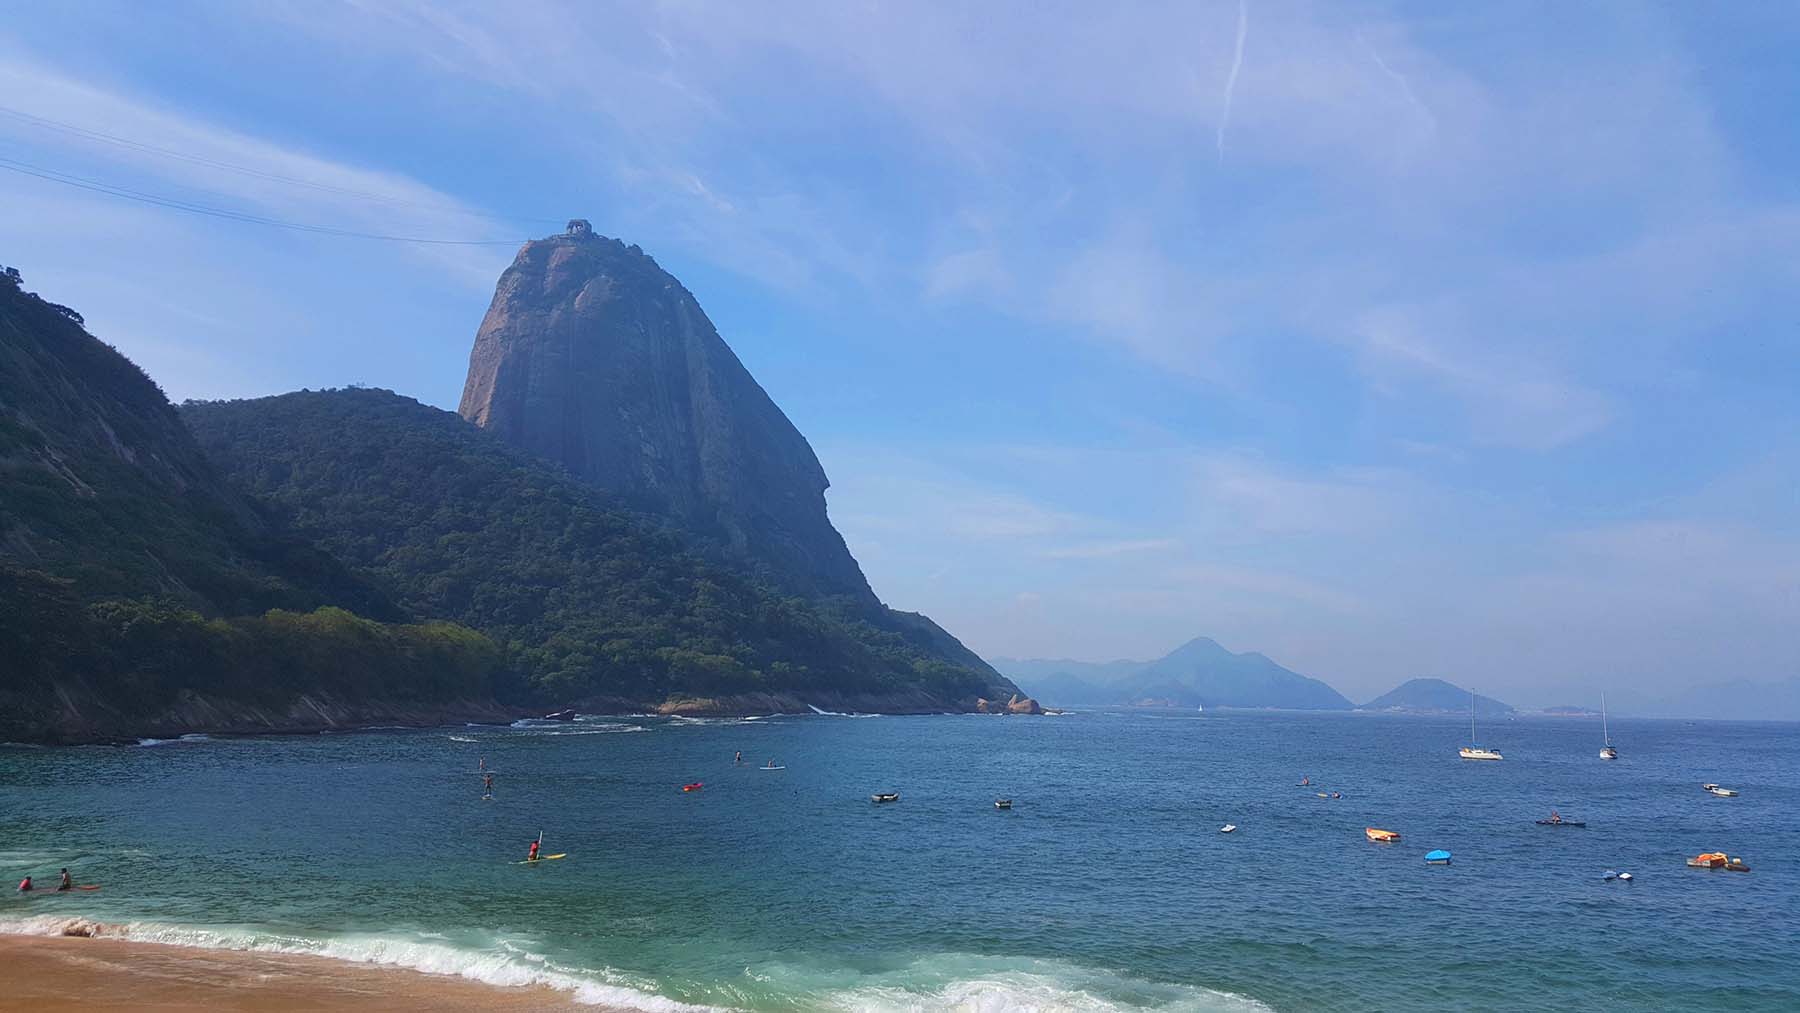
(79, 719)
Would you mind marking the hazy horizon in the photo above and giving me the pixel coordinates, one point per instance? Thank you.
(1384, 340)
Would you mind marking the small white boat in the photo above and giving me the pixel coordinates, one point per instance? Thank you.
(1472, 751)
(1607, 752)
(1228, 828)
(1721, 792)
(1609, 874)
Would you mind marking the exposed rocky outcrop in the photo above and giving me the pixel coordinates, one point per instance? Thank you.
(594, 357)
(77, 711)
(1019, 704)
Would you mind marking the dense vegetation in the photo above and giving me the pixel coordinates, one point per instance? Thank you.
(132, 660)
(589, 600)
(122, 552)
(100, 482)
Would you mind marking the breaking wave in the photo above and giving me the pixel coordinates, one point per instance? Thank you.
(194, 737)
(505, 963)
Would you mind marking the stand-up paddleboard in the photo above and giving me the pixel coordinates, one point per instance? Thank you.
(487, 798)
(542, 858)
(772, 768)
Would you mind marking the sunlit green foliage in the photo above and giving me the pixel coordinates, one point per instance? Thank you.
(590, 599)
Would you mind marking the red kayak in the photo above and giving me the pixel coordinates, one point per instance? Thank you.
(696, 786)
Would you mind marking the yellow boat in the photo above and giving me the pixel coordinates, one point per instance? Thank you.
(1380, 835)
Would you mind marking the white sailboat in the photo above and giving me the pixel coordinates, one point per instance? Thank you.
(1473, 751)
(1607, 752)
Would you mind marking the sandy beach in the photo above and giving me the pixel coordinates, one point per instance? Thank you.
(63, 973)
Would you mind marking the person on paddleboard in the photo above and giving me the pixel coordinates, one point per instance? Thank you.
(25, 885)
(64, 884)
(534, 850)
(739, 758)
(487, 783)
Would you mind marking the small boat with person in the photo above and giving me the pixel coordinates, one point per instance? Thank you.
(886, 796)
(1721, 792)
(1003, 803)
(1717, 860)
(1556, 820)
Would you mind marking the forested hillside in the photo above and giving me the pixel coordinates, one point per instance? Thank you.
(140, 594)
(591, 601)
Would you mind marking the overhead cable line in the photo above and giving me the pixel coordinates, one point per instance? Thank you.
(126, 193)
(125, 142)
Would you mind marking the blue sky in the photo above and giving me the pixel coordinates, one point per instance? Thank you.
(1388, 340)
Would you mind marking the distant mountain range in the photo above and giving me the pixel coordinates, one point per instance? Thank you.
(1198, 673)
(1435, 696)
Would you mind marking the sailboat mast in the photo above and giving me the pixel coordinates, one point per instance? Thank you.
(1603, 730)
(1471, 717)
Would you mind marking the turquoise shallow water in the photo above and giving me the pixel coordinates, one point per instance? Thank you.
(1107, 886)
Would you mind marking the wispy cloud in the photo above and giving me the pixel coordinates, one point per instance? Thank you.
(87, 130)
(1231, 76)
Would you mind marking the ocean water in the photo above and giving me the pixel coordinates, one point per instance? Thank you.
(1107, 886)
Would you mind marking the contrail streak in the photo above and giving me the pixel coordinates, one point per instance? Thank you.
(1237, 64)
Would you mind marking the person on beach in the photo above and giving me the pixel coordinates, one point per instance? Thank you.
(25, 885)
(534, 850)
(64, 884)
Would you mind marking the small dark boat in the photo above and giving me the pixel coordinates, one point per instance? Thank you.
(568, 715)
(886, 796)
(1003, 803)
(1561, 823)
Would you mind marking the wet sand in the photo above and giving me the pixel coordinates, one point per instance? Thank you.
(61, 973)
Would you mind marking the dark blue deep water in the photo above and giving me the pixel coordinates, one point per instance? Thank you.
(1107, 886)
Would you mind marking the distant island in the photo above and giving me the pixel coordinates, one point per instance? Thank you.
(1199, 673)
(1435, 696)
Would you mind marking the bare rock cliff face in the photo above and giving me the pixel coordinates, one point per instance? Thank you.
(594, 357)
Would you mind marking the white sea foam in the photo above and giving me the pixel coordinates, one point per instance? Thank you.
(1018, 993)
(960, 981)
(191, 737)
(1073, 990)
(461, 738)
(505, 964)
